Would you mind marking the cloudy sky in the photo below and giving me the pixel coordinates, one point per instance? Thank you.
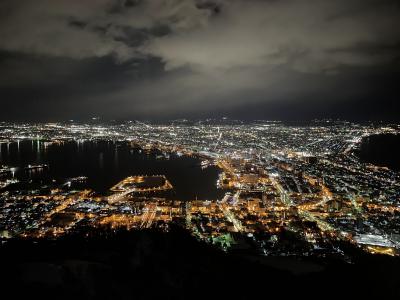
(164, 59)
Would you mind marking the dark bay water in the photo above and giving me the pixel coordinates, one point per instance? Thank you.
(381, 150)
(106, 163)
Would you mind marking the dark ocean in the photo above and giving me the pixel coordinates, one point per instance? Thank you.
(106, 163)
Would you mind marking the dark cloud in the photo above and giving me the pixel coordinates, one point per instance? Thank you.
(161, 59)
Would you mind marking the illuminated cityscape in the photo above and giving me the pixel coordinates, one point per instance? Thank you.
(286, 190)
(199, 149)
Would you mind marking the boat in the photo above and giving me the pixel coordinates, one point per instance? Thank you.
(36, 167)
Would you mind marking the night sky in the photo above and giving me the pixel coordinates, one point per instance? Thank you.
(165, 59)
